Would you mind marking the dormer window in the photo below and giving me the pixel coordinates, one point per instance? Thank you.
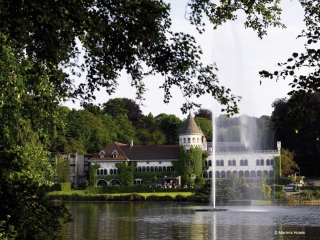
(101, 154)
(114, 154)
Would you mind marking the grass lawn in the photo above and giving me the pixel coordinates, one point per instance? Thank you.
(171, 194)
(82, 192)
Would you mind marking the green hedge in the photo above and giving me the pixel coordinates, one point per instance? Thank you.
(278, 188)
(106, 197)
(312, 188)
(137, 189)
(62, 187)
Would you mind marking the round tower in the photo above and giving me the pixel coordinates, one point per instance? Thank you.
(191, 135)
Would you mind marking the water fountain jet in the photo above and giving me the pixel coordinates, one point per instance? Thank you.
(213, 187)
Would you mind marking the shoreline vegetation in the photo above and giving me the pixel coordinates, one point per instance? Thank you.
(82, 195)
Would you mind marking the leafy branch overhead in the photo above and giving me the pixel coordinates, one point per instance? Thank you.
(302, 69)
(99, 39)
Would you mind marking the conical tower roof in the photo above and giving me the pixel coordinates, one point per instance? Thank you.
(190, 126)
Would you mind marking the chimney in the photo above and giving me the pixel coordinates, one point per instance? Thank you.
(131, 143)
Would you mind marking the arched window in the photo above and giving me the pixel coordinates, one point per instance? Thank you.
(268, 162)
(105, 172)
(246, 162)
(247, 174)
(261, 162)
(218, 163)
(235, 173)
(205, 174)
(102, 182)
(271, 174)
(210, 163)
(241, 162)
(253, 174)
(221, 163)
(101, 171)
(139, 169)
(229, 174)
(148, 169)
(272, 162)
(184, 140)
(210, 174)
(259, 173)
(265, 172)
(143, 168)
(217, 174)
(194, 140)
(152, 169)
(257, 162)
(223, 174)
(189, 140)
(156, 169)
(98, 172)
(229, 163)
(233, 162)
(111, 171)
(241, 174)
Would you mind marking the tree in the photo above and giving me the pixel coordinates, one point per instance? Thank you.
(303, 140)
(206, 127)
(303, 69)
(115, 107)
(170, 125)
(41, 47)
(25, 172)
(112, 36)
(203, 113)
(287, 160)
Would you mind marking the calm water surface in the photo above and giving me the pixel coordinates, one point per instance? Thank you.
(180, 221)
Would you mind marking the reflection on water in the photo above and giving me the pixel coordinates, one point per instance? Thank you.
(181, 221)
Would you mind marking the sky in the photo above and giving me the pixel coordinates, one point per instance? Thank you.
(239, 55)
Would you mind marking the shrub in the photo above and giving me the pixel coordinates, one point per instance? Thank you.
(136, 197)
(62, 187)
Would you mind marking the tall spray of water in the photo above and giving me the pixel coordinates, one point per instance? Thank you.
(213, 189)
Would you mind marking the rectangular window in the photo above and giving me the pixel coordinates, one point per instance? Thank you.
(56, 179)
(72, 169)
(72, 161)
(66, 159)
(72, 178)
(160, 162)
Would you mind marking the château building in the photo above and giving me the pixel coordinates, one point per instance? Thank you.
(230, 157)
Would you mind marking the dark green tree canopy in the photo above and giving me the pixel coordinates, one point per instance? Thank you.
(111, 36)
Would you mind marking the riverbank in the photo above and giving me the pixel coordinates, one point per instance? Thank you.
(79, 195)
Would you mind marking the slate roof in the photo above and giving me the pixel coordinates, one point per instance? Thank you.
(139, 152)
(190, 126)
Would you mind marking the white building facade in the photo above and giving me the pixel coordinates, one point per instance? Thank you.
(230, 157)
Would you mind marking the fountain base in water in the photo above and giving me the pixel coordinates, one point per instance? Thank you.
(212, 210)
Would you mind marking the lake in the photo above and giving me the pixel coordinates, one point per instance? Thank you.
(148, 221)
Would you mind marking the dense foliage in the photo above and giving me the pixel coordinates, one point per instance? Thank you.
(92, 128)
(46, 45)
(190, 166)
(302, 140)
